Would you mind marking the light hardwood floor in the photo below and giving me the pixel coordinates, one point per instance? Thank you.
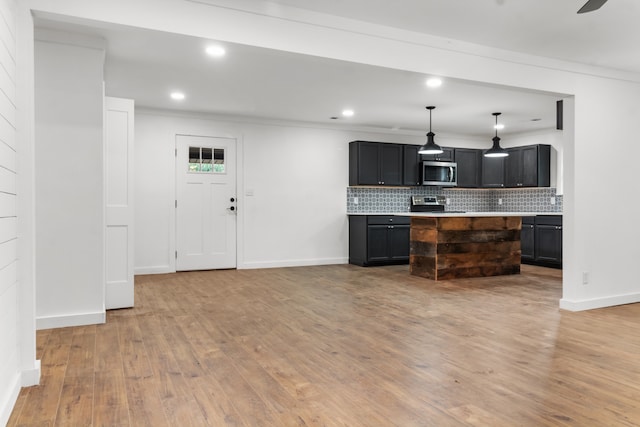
(341, 346)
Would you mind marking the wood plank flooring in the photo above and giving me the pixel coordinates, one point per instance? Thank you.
(341, 346)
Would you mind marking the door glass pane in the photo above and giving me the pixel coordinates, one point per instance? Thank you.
(218, 160)
(194, 159)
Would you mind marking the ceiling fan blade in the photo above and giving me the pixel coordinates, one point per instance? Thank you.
(592, 5)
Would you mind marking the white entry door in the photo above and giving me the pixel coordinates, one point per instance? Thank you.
(205, 203)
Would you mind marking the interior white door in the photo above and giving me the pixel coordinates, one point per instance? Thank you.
(118, 173)
(205, 203)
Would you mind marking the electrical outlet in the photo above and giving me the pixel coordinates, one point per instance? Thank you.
(553, 200)
(448, 201)
(585, 277)
(499, 201)
(355, 200)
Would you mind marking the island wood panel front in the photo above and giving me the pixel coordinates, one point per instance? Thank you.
(445, 248)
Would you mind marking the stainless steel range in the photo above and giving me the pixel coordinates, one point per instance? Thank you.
(427, 203)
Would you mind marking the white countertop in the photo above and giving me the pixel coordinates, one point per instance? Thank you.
(459, 214)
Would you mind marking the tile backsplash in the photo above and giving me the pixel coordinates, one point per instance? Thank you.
(380, 199)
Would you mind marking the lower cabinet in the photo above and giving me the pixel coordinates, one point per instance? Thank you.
(541, 240)
(378, 239)
(527, 239)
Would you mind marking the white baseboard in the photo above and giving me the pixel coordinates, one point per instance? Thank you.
(159, 269)
(8, 398)
(590, 304)
(31, 376)
(292, 263)
(64, 321)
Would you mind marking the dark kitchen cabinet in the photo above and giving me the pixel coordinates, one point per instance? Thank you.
(378, 239)
(549, 239)
(527, 239)
(411, 166)
(375, 163)
(492, 172)
(528, 166)
(447, 155)
(469, 166)
(541, 240)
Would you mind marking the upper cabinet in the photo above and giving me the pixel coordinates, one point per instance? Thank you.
(411, 167)
(492, 171)
(383, 163)
(375, 163)
(528, 166)
(469, 166)
(447, 155)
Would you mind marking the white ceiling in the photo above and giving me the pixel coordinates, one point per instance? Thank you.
(608, 37)
(262, 83)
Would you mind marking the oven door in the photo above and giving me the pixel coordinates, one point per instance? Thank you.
(442, 174)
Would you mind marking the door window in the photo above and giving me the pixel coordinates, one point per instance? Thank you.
(206, 160)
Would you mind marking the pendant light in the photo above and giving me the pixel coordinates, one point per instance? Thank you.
(430, 147)
(496, 150)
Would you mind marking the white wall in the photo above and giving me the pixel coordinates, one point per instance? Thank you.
(298, 176)
(68, 181)
(9, 338)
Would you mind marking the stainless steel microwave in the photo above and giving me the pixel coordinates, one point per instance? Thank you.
(443, 174)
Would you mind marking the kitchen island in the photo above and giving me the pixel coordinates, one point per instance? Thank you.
(458, 245)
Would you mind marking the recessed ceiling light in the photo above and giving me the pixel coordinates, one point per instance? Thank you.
(434, 82)
(215, 51)
(178, 96)
(347, 113)
(499, 126)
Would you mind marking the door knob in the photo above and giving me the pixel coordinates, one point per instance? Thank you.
(232, 199)
(232, 208)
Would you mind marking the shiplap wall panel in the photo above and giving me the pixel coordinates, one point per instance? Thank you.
(8, 276)
(8, 229)
(7, 11)
(7, 181)
(7, 205)
(7, 109)
(8, 252)
(7, 85)
(7, 134)
(9, 366)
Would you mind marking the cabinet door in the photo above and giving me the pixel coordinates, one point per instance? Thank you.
(549, 243)
(513, 168)
(368, 163)
(529, 160)
(377, 243)
(493, 172)
(447, 155)
(399, 242)
(391, 159)
(521, 167)
(527, 242)
(469, 164)
(411, 167)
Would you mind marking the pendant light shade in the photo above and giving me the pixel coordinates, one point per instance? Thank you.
(430, 147)
(496, 150)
